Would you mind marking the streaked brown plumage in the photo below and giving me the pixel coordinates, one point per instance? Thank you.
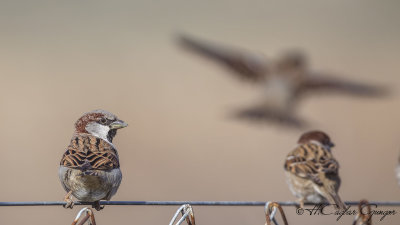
(283, 81)
(89, 168)
(91, 152)
(312, 171)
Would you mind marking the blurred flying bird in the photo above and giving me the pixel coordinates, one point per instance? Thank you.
(283, 80)
(89, 169)
(312, 171)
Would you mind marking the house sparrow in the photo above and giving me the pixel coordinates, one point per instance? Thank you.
(89, 169)
(282, 82)
(312, 171)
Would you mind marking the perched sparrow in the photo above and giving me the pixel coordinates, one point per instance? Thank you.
(312, 172)
(89, 169)
(282, 82)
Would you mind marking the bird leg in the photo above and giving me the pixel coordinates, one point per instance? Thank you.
(97, 206)
(68, 200)
(301, 202)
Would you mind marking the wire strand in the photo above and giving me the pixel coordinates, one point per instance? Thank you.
(197, 203)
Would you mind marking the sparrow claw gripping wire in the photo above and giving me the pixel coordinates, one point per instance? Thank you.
(89, 215)
(187, 214)
(362, 218)
(270, 211)
(68, 200)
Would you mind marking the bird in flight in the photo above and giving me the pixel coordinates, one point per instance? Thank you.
(282, 81)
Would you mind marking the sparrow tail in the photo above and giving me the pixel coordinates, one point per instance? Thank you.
(338, 202)
(332, 196)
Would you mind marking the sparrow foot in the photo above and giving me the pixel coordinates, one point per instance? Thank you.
(97, 206)
(301, 203)
(69, 201)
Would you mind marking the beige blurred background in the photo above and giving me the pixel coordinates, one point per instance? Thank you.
(59, 59)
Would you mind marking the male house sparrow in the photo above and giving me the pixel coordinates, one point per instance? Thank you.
(312, 171)
(282, 81)
(89, 169)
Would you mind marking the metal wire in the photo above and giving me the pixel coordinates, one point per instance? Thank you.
(198, 203)
(176, 214)
(89, 216)
(187, 214)
(270, 210)
(271, 214)
(363, 218)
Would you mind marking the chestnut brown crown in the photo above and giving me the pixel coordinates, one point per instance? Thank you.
(100, 116)
(318, 136)
(99, 123)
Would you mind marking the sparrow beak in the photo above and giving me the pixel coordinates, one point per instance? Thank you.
(331, 144)
(118, 124)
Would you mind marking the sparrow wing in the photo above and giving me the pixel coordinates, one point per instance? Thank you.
(310, 161)
(249, 66)
(325, 82)
(87, 152)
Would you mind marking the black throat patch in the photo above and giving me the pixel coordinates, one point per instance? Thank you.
(111, 134)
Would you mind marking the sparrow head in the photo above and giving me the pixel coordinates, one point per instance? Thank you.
(316, 136)
(292, 61)
(99, 123)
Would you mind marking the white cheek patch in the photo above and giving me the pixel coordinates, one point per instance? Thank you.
(98, 130)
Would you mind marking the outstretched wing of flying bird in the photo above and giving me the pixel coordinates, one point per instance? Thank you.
(247, 65)
(330, 83)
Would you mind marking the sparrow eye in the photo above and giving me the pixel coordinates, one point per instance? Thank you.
(103, 120)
